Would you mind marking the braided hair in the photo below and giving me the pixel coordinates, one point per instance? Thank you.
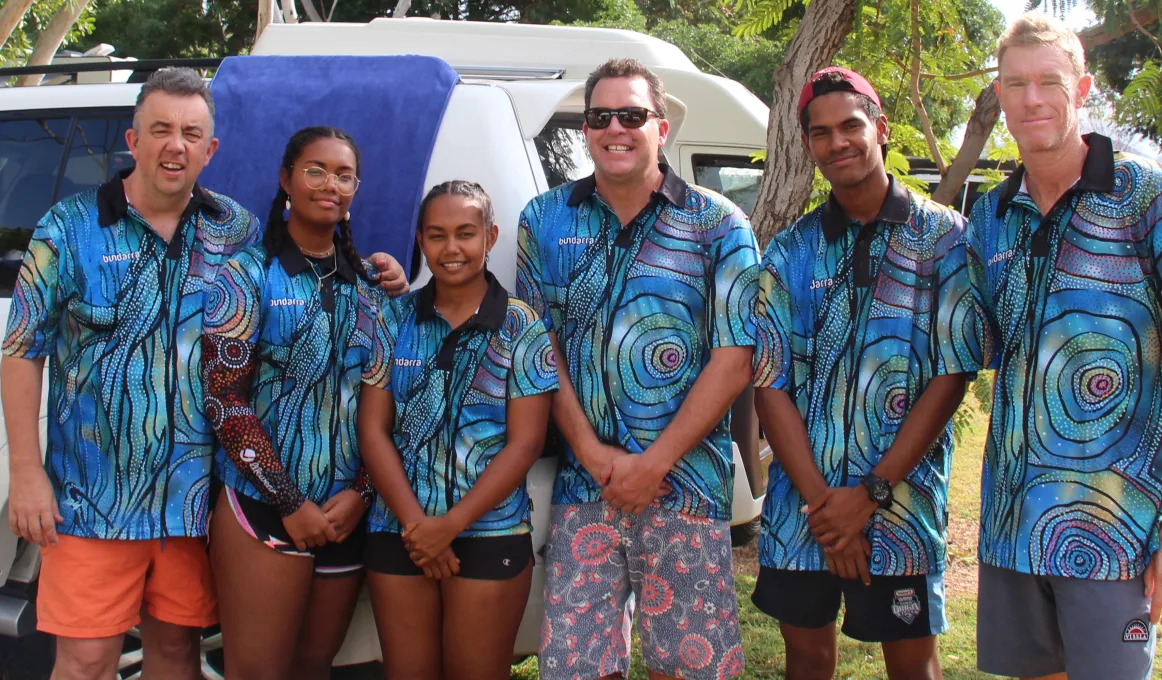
(458, 187)
(276, 233)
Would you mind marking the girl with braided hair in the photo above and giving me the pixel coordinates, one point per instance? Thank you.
(289, 327)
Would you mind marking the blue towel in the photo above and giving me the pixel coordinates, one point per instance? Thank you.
(392, 106)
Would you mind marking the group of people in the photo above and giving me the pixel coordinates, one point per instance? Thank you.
(323, 426)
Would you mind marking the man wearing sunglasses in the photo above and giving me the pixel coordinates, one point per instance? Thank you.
(647, 284)
(870, 323)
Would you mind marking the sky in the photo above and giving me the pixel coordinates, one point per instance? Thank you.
(1076, 19)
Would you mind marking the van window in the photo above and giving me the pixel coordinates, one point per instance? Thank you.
(30, 159)
(32, 151)
(561, 147)
(96, 153)
(735, 177)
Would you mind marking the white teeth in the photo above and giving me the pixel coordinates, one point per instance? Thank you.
(617, 148)
(453, 265)
(171, 166)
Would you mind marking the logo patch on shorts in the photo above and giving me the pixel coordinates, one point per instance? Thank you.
(905, 605)
(1136, 631)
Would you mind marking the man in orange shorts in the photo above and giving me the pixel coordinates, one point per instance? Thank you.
(110, 293)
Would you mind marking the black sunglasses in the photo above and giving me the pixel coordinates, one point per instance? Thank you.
(629, 116)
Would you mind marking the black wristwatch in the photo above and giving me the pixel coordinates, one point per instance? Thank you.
(879, 491)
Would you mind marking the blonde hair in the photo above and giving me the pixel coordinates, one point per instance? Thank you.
(1038, 28)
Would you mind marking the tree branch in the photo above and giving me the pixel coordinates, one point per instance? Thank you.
(311, 10)
(50, 39)
(11, 15)
(401, 9)
(917, 100)
(976, 136)
(1142, 29)
(1096, 36)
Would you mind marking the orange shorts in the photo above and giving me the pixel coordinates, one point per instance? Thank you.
(94, 588)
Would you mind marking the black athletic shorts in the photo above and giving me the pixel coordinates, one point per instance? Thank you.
(892, 608)
(490, 558)
(264, 524)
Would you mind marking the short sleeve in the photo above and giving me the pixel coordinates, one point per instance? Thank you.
(534, 366)
(529, 268)
(735, 266)
(772, 357)
(962, 336)
(233, 307)
(34, 317)
(377, 370)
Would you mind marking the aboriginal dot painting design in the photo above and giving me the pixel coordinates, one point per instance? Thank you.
(638, 310)
(450, 422)
(285, 375)
(855, 359)
(118, 319)
(1071, 484)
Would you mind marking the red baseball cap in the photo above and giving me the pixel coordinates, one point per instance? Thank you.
(855, 81)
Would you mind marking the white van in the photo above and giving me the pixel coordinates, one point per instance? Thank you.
(514, 128)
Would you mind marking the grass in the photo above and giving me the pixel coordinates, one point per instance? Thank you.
(760, 635)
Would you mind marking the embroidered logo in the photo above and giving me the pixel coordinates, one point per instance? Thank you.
(905, 605)
(822, 283)
(575, 241)
(1136, 631)
(409, 363)
(119, 257)
(506, 562)
(287, 302)
(1001, 257)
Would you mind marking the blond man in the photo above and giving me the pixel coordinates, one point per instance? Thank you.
(1072, 481)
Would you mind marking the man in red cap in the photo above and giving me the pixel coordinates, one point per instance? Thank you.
(870, 323)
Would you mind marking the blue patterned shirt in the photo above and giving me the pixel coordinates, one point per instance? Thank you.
(854, 322)
(117, 311)
(637, 309)
(1072, 482)
(451, 389)
(284, 357)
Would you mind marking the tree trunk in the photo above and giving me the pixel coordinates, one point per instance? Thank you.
(11, 14)
(290, 14)
(266, 11)
(976, 136)
(401, 9)
(312, 11)
(788, 171)
(49, 41)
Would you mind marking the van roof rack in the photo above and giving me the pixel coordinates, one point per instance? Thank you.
(144, 65)
(150, 65)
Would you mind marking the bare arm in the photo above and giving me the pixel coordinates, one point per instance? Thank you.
(787, 434)
(383, 462)
(32, 511)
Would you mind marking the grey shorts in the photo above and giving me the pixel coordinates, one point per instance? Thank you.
(1039, 625)
(677, 569)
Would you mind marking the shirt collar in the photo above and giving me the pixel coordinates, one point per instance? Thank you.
(113, 206)
(294, 262)
(493, 307)
(897, 208)
(673, 188)
(1097, 173)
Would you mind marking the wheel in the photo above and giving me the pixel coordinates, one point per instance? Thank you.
(741, 534)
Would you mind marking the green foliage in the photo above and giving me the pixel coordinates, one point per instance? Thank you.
(1057, 8)
(163, 29)
(1140, 106)
(760, 16)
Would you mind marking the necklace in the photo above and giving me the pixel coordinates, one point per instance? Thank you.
(324, 277)
(321, 255)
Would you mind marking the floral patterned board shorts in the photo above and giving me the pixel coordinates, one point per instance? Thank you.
(675, 566)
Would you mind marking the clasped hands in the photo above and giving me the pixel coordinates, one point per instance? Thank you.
(628, 482)
(429, 544)
(837, 519)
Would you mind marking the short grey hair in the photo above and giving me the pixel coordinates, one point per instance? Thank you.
(175, 80)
